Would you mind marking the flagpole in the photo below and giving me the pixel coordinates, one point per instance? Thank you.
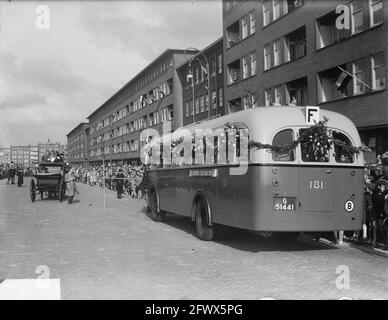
(354, 77)
(103, 174)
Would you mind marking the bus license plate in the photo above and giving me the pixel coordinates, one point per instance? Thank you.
(284, 204)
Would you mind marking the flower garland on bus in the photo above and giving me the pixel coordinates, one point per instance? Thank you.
(315, 140)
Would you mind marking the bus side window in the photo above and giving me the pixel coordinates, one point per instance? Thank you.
(341, 155)
(282, 138)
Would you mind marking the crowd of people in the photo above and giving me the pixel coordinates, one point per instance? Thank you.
(13, 173)
(124, 179)
(375, 204)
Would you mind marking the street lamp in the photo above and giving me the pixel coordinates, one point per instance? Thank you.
(206, 69)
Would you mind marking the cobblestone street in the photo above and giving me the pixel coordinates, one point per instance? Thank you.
(120, 253)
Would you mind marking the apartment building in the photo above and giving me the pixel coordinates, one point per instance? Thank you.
(151, 99)
(26, 156)
(198, 88)
(302, 52)
(77, 143)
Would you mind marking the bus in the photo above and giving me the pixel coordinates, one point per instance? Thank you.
(214, 173)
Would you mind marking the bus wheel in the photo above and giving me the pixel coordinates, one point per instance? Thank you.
(204, 230)
(155, 214)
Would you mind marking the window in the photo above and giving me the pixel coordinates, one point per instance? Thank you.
(252, 22)
(378, 71)
(246, 71)
(278, 96)
(268, 57)
(357, 17)
(327, 32)
(296, 92)
(207, 102)
(334, 83)
(274, 9)
(202, 104)
(187, 109)
(213, 67)
(267, 12)
(268, 97)
(196, 75)
(233, 33)
(277, 9)
(308, 152)
(214, 99)
(246, 102)
(220, 97)
(253, 63)
(235, 105)
(295, 44)
(376, 12)
(360, 74)
(219, 61)
(196, 105)
(277, 53)
(342, 155)
(234, 72)
(244, 24)
(284, 137)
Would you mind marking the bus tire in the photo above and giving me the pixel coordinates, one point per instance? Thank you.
(205, 231)
(153, 208)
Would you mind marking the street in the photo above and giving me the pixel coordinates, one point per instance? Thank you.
(120, 253)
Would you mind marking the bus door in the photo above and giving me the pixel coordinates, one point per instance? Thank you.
(316, 181)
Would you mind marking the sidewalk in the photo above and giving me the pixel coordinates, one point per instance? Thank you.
(349, 243)
(379, 250)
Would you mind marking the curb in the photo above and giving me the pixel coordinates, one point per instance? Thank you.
(375, 251)
(346, 244)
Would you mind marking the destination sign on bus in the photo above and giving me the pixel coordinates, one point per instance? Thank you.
(204, 173)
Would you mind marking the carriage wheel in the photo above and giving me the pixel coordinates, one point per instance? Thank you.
(155, 214)
(32, 190)
(62, 188)
(204, 230)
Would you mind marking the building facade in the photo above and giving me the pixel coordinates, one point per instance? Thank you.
(5, 155)
(26, 156)
(195, 82)
(77, 143)
(287, 52)
(151, 100)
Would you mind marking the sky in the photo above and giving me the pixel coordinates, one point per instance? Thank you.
(53, 79)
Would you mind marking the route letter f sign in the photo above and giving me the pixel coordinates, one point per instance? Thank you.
(312, 115)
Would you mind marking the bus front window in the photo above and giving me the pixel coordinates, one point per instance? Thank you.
(282, 138)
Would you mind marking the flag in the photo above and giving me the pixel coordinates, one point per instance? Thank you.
(341, 79)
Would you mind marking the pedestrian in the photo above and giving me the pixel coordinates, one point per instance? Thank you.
(71, 187)
(119, 183)
(20, 177)
(11, 174)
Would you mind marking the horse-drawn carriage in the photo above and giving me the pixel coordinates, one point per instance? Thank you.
(50, 179)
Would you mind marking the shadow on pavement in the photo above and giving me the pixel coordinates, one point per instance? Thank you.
(246, 240)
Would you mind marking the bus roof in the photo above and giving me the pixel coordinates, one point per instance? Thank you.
(263, 122)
